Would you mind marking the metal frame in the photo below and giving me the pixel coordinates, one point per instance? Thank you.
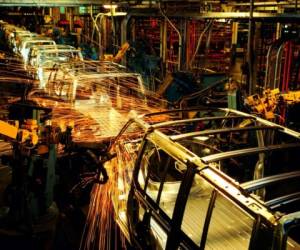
(35, 50)
(260, 183)
(257, 16)
(247, 151)
(81, 71)
(184, 121)
(274, 203)
(240, 194)
(221, 131)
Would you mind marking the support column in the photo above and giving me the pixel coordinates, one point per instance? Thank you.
(163, 43)
(184, 32)
(250, 54)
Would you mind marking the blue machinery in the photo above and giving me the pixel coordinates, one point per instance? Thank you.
(183, 88)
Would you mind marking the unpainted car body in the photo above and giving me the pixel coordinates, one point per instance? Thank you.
(207, 178)
(43, 58)
(102, 83)
(30, 42)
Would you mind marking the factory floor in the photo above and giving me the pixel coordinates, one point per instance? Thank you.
(67, 235)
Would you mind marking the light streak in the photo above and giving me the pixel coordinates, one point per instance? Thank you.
(99, 107)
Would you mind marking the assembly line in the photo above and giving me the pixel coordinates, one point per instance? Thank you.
(148, 125)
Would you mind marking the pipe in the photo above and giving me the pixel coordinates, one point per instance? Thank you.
(285, 66)
(266, 85)
(179, 36)
(277, 67)
(290, 54)
(95, 25)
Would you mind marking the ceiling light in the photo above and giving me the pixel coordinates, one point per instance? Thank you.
(110, 6)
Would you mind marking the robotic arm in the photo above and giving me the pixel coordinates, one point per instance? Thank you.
(8, 130)
(26, 134)
(270, 100)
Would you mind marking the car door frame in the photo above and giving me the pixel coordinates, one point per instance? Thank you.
(172, 226)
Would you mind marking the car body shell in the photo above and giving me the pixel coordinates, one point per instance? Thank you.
(43, 58)
(30, 42)
(175, 189)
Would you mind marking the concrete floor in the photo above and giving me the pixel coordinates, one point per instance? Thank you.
(69, 224)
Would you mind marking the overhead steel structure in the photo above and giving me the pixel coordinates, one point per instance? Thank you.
(53, 3)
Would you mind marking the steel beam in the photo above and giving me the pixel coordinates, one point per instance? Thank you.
(257, 16)
(247, 151)
(53, 3)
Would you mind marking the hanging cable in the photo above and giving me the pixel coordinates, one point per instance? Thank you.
(179, 36)
(199, 42)
(95, 26)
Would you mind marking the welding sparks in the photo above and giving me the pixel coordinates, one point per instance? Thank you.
(108, 203)
(96, 99)
(101, 231)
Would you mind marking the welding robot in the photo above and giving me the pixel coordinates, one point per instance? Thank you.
(270, 100)
(31, 201)
(30, 208)
(34, 160)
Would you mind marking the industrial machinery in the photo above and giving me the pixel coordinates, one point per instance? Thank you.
(45, 159)
(185, 90)
(267, 104)
(33, 161)
(120, 54)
